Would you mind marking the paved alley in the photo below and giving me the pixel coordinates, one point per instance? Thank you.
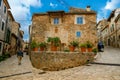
(105, 67)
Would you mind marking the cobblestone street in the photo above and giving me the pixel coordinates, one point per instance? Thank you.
(105, 67)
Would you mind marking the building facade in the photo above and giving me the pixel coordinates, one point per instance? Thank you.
(117, 24)
(14, 37)
(77, 24)
(109, 29)
(113, 28)
(102, 31)
(4, 6)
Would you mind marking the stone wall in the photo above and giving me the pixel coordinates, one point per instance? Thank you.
(42, 28)
(59, 60)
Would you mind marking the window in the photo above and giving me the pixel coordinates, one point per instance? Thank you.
(56, 20)
(4, 9)
(0, 46)
(113, 27)
(79, 20)
(8, 36)
(78, 34)
(0, 2)
(3, 24)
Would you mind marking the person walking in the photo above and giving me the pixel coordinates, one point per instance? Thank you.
(19, 56)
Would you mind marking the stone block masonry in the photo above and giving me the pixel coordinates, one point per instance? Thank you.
(53, 61)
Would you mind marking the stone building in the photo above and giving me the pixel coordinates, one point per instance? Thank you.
(117, 24)
(20, 41)
(8, 31)
(113, 28)
(4, 6)
(77, 24)
(103, 30)
(14, 36)
(108, 29)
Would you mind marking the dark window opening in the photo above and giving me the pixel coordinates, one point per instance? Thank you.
(0, 46)
(0, 2)
(3, 24)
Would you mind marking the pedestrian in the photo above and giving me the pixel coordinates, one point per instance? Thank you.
(19, 56)
(100, 46)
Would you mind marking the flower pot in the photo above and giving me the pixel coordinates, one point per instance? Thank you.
(53, 48)
(89, 49)
(35, 49)
(72, 48)
(83, 49)
(42, 48)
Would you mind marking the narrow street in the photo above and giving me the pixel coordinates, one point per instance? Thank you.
(105, 67)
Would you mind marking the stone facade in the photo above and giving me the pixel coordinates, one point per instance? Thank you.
(14, 37)
(20, 39)
(59, 60)
(103, 30)
(43, 26)
(117, 23)
(110, 31)
(4, 6)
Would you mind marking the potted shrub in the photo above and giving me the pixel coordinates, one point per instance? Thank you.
(55, 42)
(42, 46)
(73, 45)
(95, 51)
(34, 46)
(83, 47)
(89, 46)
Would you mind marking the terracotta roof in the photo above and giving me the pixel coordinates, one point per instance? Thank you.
(80, 10)
(55, 11)
(7, 4)
(72, 11)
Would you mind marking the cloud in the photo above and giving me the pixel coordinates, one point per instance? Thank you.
(111, 5)
(102, 14)
(53, 5)
(21, 8)
(21, 12)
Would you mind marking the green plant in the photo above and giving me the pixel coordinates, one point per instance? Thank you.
(55, 41)
(95, 50)
(74, 43)
(83, 45)
(43, 44)
(33, 44)
(66, 50)
(4, 57)
(89, 44)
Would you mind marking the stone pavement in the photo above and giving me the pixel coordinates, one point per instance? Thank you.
(99, 71)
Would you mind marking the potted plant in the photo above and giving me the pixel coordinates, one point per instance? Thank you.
(95, 51)
(34, 46)
(83, 47)
(55, 42)
(73, 45)
(42, 46)
(89, 46)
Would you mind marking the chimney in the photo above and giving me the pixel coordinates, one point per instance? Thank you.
(88, 8)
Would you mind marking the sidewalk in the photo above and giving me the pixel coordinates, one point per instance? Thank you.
(12, 71)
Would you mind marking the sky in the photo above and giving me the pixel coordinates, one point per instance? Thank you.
(23, 10)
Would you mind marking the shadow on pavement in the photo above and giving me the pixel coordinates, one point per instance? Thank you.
(15, 74)
(110, 64)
